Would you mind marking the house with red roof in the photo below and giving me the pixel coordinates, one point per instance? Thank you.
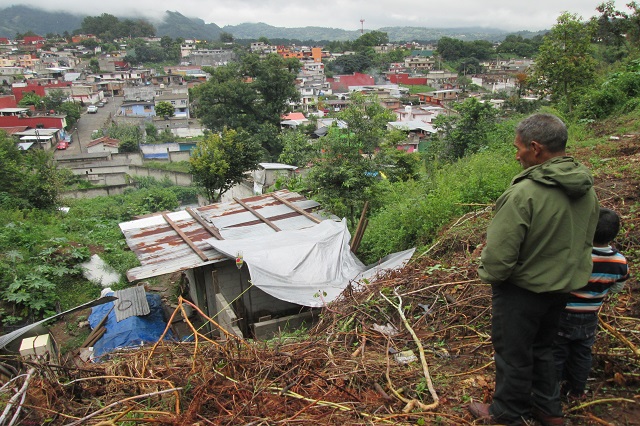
(293, 120)
(32, 43)
(8, 101)
(405, 78)
(103, 144)
(343, 83)
(19, 91)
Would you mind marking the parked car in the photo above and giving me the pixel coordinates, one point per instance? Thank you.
(62, 145)
(92, 109)
(100, 104)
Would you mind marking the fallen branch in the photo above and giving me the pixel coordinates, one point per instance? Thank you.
(619, 335)
(599, 401)
(122, 401)
(15, 397)
(423, 360)
(599, 420)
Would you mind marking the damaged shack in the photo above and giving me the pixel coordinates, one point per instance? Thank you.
(257, 265)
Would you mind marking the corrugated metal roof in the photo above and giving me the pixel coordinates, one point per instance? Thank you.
(131, 302)
(162, 248)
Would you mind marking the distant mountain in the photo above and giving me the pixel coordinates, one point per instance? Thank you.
(175, 25)
(255, 31)
(20, 19)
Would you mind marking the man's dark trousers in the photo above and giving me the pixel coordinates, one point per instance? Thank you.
(524, 325)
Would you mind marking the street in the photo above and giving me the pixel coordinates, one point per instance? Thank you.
(87, 124)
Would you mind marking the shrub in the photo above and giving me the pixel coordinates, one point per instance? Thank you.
(415, 211)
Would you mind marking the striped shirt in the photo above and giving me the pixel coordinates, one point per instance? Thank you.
(610, 270)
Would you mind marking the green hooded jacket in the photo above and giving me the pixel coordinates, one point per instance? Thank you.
(541, 236)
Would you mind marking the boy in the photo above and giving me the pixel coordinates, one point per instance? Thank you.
(579, 321)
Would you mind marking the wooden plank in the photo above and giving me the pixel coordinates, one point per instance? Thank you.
(256, 214)
(357, 235)
(296, 208)
(185, 238)
(209, 228)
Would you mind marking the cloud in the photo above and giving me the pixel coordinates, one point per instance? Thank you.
(501, 14)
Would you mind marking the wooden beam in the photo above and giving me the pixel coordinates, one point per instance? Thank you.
(256, 214)
(185, 238)
(296, 208)
(210, 228)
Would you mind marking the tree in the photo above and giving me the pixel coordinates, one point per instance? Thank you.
(219, 161)
(297, 149)
(31, 98)
(564, 62)
(54, 99)
(151, 132)
(94, 65)
(370, 39)
(519, 46)
(226, 37)
(451, 49)
(71, 110)
(129, 135)
(349, 64)
(367, 122)
(251, 95)
(30, 179)
(108, 27)
(465, 133)
(469, 66)
(226, 100)
(341, 177)
(346, 170)
(165, 109)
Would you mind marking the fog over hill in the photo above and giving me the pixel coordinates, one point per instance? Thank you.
(20, 19)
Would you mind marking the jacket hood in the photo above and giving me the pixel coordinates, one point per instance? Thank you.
(563, 172)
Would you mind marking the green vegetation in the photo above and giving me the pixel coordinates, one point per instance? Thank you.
(419, 88)
(220, 161)
(564, 63)
(27, 180)
(40, 250)
(173, 166)
(249, 96)
(165, 109)
(129, 135)
(109, 27)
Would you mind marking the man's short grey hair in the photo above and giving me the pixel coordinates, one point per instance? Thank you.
(546, 129)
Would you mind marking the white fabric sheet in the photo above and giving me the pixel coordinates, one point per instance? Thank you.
(310, 266)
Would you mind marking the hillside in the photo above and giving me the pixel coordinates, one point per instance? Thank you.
(350, 367)
(20, 19)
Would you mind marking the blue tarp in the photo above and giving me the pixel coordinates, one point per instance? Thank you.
(132, 331)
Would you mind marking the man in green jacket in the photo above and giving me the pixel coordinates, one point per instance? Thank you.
(538, 249)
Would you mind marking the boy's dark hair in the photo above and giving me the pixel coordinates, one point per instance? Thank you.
(607, 228)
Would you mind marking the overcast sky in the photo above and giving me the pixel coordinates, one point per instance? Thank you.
(510, 15)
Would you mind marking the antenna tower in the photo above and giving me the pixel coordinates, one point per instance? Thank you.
(361, 26)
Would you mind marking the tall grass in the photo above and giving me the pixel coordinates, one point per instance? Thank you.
(413, 212)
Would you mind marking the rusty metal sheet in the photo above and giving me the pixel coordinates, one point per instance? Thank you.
(161, 250)
(131, 302)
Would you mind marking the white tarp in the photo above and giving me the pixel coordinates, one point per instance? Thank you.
(310, 266)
